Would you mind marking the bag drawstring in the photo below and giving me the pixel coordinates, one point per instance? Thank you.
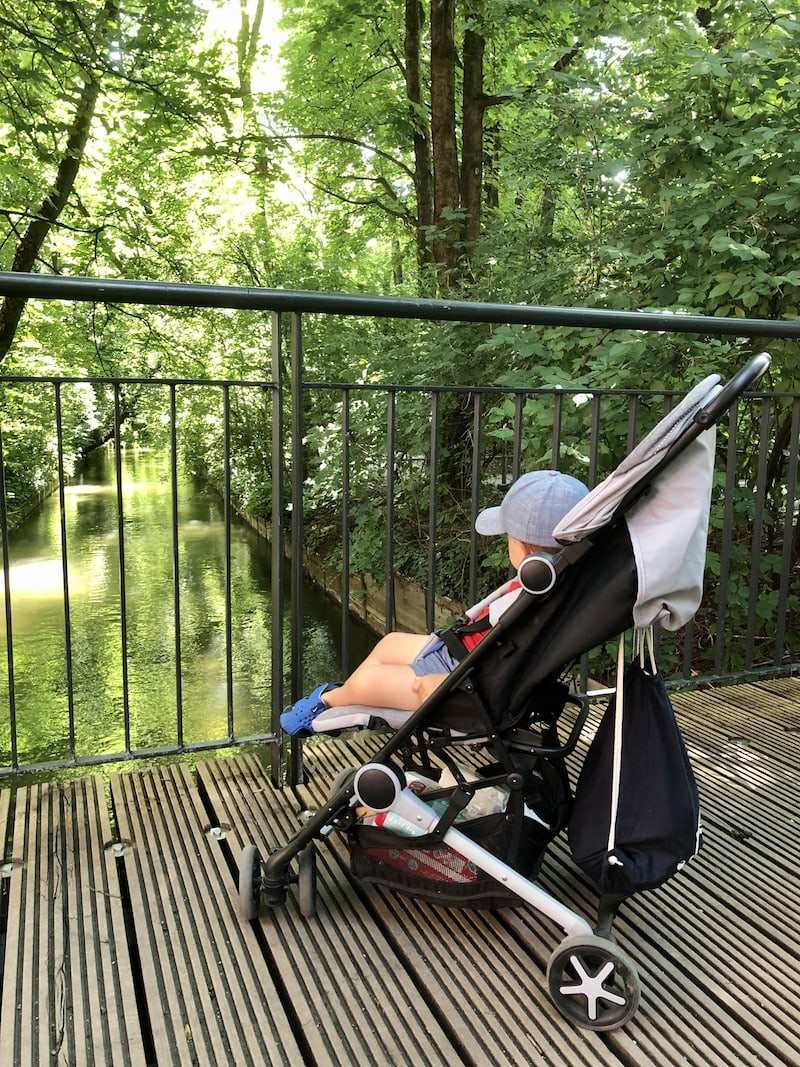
(644, 647)
(616, 764)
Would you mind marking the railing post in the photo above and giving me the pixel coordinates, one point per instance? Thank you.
(228, 511)
(62, 511)
(477, 463)
(516, 457)
(756, 548)
(123, 595)
(297, 477)
(726, 548)
(176, 561)
(276, 578)
(788, 531)
(12, 700)
(345, 616)
(391, 438)
(433, 514)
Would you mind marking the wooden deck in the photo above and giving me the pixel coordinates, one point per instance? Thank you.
(123, 943)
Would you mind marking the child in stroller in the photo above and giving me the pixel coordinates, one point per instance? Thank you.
(632, 555)
(404, 669)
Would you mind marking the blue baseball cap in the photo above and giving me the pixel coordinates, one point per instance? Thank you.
(533, 507)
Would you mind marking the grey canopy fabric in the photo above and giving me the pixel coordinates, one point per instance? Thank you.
(668, 526)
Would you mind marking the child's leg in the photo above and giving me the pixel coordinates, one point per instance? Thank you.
(379, 685)
(396, 647)
(384, 678)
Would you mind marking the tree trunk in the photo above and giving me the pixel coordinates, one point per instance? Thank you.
(423, 169)
(247, 50)
(547, 214)
(446, 193)
(491, 153)
(472, 137)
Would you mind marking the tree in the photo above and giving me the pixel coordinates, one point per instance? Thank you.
(423, 167)
(611, 155)
(123, 121)
(94, 42)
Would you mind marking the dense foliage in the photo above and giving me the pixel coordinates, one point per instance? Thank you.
(622, 155)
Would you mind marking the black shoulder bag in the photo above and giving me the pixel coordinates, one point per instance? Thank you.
(636, 816)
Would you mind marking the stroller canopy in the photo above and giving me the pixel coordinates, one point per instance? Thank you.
(668, 524)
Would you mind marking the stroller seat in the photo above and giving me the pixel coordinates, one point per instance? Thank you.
(355, 716)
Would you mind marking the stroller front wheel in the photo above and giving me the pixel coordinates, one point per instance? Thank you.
(593, 983)
(249, 882)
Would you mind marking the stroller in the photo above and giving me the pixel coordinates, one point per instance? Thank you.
(424, 818)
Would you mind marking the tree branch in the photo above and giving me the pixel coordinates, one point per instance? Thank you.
(354, 142)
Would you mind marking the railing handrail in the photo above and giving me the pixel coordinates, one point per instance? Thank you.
(247, 298)
(370, 387)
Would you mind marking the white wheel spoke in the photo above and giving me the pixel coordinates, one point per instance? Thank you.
(591, 986)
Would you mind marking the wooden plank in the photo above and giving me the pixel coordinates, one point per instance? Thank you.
(68, 994)
(747, 722)
(784, 689)
(210, 997)
(746, 766)
(376, 977)
(353, 1003)
(702, 978)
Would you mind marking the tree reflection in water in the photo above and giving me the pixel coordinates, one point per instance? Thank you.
(95, 601)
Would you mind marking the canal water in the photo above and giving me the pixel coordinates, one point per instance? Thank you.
(110, 683)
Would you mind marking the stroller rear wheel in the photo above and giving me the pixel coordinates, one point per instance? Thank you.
(593, 983)
(249, 882)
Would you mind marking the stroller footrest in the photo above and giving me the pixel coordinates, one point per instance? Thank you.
(353, 716)
(362, 716)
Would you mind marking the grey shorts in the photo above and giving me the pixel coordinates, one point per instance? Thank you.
(435, 659)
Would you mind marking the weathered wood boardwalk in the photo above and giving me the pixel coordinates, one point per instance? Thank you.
(123, 943)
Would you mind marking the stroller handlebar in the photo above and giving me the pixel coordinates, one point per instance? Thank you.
(747, 376)
(711, 413)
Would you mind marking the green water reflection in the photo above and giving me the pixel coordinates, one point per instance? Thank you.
(98, 662)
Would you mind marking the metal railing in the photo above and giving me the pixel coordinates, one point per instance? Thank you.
(762, 549)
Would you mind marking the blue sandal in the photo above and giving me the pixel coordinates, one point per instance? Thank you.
(298, 717)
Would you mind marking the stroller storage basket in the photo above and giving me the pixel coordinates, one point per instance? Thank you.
(425, 867)
(518, 835)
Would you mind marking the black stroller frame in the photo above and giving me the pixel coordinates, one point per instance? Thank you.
(506, 696)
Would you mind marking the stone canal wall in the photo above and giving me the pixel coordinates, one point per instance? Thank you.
(367, 596)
